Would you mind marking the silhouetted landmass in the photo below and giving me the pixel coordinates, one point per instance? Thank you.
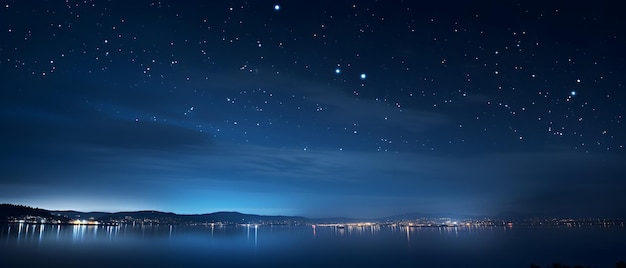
(18, 212)
(173, 218)
(10, 211)
(79, 215)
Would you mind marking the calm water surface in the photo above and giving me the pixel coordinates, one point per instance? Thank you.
(26, 245)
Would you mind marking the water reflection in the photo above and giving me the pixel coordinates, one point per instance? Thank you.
(355, 244)
(42, 233)
(256, 235)
(41, 228)
(408, 235)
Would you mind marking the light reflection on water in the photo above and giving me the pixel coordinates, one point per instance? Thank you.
(313, 246)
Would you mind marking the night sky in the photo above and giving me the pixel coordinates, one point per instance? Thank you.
(314, 108)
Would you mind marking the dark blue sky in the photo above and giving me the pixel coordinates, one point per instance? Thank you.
(322, 108)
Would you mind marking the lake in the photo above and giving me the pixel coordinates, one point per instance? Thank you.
(28, 245)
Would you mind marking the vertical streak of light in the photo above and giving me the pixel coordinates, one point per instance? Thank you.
(74, 232)
(19, 232)
(408, 235)
(41, 229)
(8, 234)
(114, 231)
(256, 227)
(248, 230)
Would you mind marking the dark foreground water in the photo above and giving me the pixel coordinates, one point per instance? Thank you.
(24, 245)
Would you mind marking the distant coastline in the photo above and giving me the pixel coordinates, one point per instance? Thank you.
(23, 214)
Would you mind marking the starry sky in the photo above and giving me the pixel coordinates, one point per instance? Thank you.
(314, 108)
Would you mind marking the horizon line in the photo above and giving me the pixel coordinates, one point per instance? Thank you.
(422, 214)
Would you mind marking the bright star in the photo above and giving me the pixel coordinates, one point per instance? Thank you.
(573, 93)
(363, 76)
(337, 71)
(277, 7)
